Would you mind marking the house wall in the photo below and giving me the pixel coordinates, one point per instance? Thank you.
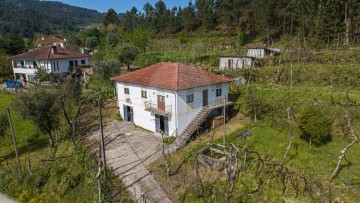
(237, 62)
(29, 70)
(256, 53)
(182, 112)
(188, 111)
(143, 118)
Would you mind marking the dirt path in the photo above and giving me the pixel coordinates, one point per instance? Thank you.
(5, 199)
(129, 151)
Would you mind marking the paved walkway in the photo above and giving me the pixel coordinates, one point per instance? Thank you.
(129, 150)
(5, 199)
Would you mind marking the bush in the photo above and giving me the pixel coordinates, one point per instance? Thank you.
(315, 125)
(169, 139)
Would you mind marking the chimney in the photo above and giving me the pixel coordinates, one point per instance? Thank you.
(53, 50)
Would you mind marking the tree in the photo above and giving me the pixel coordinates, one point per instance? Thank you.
(128, 54)
(42, 75)
(41, 107)
(140, 39)
(6, 72)
(91, 42)
(108, 69)
(315, 125)
(111, 17)
(14, 44)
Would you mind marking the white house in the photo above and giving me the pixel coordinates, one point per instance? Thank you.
(47, 41)
(261, 51)
(54, 59)
(170, 97)
(236, 62)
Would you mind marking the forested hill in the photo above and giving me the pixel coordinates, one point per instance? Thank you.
(27, 17)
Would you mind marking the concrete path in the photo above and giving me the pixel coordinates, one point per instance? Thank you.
(129, 150)
(5, 199)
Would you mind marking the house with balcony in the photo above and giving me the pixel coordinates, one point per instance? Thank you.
(171, 98)
(56, 60)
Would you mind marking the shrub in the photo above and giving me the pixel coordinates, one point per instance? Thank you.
(169, 139)
(315, 125)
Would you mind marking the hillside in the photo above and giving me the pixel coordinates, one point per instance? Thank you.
(27, 17)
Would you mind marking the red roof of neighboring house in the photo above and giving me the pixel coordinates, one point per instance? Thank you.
(173, 76)
(45, 53)
(52, 39)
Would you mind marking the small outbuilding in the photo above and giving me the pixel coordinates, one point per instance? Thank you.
(234, 62)
(259, 51)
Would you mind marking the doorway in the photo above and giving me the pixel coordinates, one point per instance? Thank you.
(162, 124)
(161, 103)
(128, 114)
(205, 97)
(71, 63)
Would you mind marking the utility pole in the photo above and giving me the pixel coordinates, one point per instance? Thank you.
(224, 141)
(102, 140)
(14, 141)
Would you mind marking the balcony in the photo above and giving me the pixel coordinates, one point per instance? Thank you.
(218, 103)
(151, 107)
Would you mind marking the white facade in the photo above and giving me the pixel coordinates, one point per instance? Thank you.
(178, 112)
(236, 62)
(256, 52)
(26, 69)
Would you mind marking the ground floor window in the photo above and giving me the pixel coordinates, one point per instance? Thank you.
(82, 62)
(31, 78)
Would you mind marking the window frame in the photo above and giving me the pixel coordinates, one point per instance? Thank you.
(218, 92)
(126, 90)
(83, 62)
(189, 98)
(143, 94)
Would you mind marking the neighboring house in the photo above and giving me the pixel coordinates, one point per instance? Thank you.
(54, 59)
(259, 51)
(170, 97)
(47, 41)
(234, 62)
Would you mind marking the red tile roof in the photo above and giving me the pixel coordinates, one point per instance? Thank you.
(46, 54)
(51, 40)
(173, 76)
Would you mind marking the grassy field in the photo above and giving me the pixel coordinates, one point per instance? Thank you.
(328, 88)
(59, 174)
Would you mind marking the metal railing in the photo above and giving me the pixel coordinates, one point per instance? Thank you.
(149, 106)
(218, 103)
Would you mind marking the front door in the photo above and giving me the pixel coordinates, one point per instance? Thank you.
(205, 97)
(162, 124)
(161, 102)
(128, 113)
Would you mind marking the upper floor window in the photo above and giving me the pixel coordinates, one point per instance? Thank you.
(190, 98)
(126, 90)
(218, 92)
(143, 94)
(34, 64)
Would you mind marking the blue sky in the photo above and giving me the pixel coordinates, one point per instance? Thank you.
(121, 6)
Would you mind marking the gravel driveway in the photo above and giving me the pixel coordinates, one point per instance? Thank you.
(129, 150)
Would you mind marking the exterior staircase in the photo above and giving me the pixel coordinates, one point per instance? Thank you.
(184, 137)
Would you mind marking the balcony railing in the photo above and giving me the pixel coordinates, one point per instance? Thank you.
(166, 111)
(218, 103)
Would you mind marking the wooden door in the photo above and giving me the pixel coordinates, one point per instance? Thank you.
(161, 102)
(230, 63)
(205, 97)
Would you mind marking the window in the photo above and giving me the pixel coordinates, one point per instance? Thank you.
(126, 90)
(54, 67)
(143, 94)
(190, 98)
(82, 62)
(218, 92)
(34, 64)
(57, 63)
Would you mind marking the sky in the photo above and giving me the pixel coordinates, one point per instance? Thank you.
(121, 6)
